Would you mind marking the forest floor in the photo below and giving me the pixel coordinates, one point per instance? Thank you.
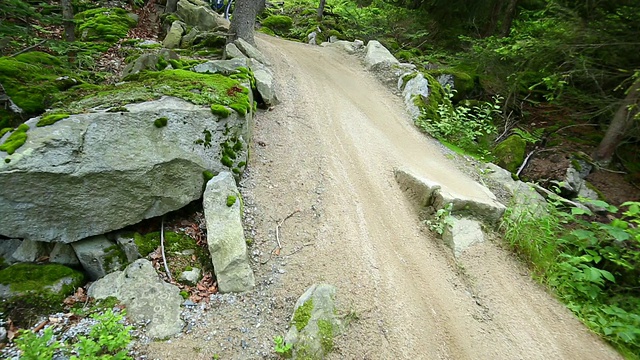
(325, 157)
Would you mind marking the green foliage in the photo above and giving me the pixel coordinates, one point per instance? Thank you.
(282, 349)
(17, 138)
(280, 24)
(50, 119)
(464, 126)
(36, 347)
(173, 242)
(441, 219)
(108, 339)
(591, 264)
(103, 24)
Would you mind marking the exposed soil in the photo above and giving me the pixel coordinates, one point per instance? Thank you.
(329, 151)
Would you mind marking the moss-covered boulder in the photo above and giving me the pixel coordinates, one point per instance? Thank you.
(199, 14)
(462, 82)
(36, 288)
(314, 323)
(510, 153)
(30, 80)
(104, 24)
(280, 24)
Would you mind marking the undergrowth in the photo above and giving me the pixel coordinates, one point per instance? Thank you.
(590, 262)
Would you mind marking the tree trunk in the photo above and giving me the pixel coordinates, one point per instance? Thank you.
(171, 7)
(69, 25)
(321, 9)
(243, 21)
(509, 15)
(620, 124)
(494, 16)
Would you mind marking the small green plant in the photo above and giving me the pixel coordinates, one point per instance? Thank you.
(36, 347)
(441, 219)
(282, 349)
(108, 339)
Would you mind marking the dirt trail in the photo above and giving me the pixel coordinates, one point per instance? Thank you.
(342, 130)
(329, 150)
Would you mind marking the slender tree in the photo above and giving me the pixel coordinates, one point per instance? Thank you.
(243, 20)
(321, 8)
(69, 25)
(622, 122)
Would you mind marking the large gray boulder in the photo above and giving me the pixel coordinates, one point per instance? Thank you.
(146, 296)
(378, 56)
(99, 256)
(225, 235)
(348, 46)
(431, 196)
(30, 251)
(314, 323)
(174, 35)
(64, 254)
(251, 51)
(524, 199)
(199, 14)
(97, 172)
(416, 86)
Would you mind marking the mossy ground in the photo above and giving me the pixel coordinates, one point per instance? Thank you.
(180, 250)
(32, 297)
(50, 119)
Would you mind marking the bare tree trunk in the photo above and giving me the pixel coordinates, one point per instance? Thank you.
(620, 124)
(321, 9)
(243, 21)
(171, 7)
(509, 15)
(67, 16)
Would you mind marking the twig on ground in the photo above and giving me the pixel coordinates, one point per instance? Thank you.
(29, 48)
(278, 225)
(164, 258)
(40, 326)
(300, 248)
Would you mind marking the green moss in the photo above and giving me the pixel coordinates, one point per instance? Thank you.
(429, 106)
(240, 108)
(231, 199)
(30, 86)
(37, 280)
(115, 258)
(4, 131)
(118, 109)
(226, 161)
(325, 330)
(51, 119)
(207, 175)
(103, 24)
(220, 111)
(184, 294)
(463, 82)
(406, 78)
(15, 140)
(302, 315)
(38, 58)
(173, 242)
(242, 164)
(280, 24)
(249, 241)
(510, 153)
(160, 122)
(266, 30)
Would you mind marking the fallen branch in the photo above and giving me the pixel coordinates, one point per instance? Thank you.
(278, 225)
(29, 48)
(164, 258)
(553, 195)
(40, 326)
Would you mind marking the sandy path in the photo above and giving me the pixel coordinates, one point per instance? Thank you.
(339, 129)
(329, 150)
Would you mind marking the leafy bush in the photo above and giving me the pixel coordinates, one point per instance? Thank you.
(591, 263)
(108, 339)
(461, 125)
